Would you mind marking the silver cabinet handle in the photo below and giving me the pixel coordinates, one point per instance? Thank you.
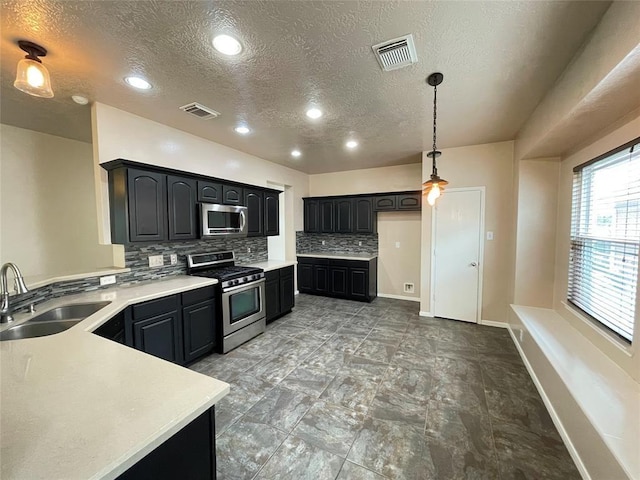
(474, 264)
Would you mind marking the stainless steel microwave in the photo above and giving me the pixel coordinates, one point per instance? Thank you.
(217, 220)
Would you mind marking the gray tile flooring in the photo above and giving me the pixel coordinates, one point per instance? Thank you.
(349, 391)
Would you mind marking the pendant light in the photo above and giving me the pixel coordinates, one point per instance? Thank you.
(32, 76)
(435, 186)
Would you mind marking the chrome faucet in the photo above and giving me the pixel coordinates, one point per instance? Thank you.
(20, 287)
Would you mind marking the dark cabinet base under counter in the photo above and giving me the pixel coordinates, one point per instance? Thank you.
(351, 278)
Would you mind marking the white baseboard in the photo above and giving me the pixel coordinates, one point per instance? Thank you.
(552, 412)
(491, 323)
(426, 314)
(398, 297)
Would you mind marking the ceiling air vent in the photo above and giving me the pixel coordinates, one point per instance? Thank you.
(397, 53)
(200, 111)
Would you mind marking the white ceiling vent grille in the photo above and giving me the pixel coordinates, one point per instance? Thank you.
(397, 53)
(200, 111)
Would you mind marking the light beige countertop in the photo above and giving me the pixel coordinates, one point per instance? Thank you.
(339, 256)
(269, 265)
(37, 281)
(76, 405)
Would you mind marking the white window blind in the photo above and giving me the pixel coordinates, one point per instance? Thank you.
(605, 237)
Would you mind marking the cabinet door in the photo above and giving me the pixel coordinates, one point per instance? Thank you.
(386, 202)
(344, 215)
(231, 195)
(181, 196)
(311, 216)
(321, 278)
(364, 221)
(272, 295)
(209, 192)
(358, 283)
(253, 200)
(147, 192)
(326, 216)
(160, 336)
(412, 201)
(198, 326)
(305, 277)
(271, 213)
(287, 290)
(338, 281)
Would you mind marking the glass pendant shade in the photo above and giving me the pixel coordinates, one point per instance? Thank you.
(433, 194)
(33, 78)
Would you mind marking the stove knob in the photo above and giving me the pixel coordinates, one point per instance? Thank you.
(256, 277)
(235, 282)
(245, 279)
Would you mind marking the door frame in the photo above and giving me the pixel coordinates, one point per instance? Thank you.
(434, 215)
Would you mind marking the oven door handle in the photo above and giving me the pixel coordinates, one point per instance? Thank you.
(246, 286)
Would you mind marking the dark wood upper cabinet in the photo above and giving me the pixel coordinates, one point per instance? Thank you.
(311, 215)
(209, 192)
(411, 201)
(254, 201)
(326, 216)
(232, 195)
(147, 196)
(386, 202)
(343, 215)
(271, 213)
(364, 219)
(181, 195)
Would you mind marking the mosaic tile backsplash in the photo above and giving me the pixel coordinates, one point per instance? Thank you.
(348, 244)
(247, 250)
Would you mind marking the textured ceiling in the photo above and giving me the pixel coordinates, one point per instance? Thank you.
(498, 59)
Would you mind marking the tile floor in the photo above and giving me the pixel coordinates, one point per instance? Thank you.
(346, 390)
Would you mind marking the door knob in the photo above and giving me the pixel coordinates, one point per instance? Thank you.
(474, 264)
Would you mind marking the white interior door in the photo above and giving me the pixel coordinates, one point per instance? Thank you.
(458, 226)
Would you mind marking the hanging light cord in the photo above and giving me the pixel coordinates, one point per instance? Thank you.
(433, 151)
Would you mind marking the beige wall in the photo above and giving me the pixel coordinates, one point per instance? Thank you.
(118, 134)
(536, 232)
(49, 225)
(628, 358)
(369, 180)
(491, 166)
(397, 266)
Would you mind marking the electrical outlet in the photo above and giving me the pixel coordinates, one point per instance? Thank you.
(521, 335)
(489, 235)
(174, 259)
(156, 261)
(397, 244)
(248, 249)
(108, 280)
(409, 288)
(359, 244)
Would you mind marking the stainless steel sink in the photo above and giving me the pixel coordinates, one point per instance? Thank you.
(52, 321)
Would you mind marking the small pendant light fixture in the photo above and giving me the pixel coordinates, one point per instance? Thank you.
(32, 76)
(435, 186)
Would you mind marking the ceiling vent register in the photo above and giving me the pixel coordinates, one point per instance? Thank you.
(200, 111)
(397, 53)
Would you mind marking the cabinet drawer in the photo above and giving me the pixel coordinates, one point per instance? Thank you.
(155, 307)
(409, 201)
(286, 272)
(272, 275)
(198, 295)
(313, 260)
(387, 202)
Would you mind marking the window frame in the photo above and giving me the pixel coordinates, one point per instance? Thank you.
(600, 325)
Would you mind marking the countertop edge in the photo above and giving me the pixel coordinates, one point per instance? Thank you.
(337, 256)
(270, 265)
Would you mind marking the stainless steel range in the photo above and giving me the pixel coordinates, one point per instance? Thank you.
(241, 296)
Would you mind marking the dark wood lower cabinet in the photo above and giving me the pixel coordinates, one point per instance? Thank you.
(160, 336)
(198, 330)
(190, 453)
(350, 279)
(279, 292)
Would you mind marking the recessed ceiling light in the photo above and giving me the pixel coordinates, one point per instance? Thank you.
(227, 45)
(79, 99)
(138, 82)
(296, 153)
(351, 144)
(242, 129)
(314, 113)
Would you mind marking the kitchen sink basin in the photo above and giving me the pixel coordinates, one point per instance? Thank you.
(52, 321)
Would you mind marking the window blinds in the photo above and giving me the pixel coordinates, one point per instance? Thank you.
(605, 238)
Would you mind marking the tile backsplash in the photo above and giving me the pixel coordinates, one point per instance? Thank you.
(247, 250)
(350, 244)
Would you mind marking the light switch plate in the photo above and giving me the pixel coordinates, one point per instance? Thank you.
(156, 261)
(174, 259)
(397, 244)
(489, 235)
(107, 280)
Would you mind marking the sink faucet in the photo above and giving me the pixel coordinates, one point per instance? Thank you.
(20, 287)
